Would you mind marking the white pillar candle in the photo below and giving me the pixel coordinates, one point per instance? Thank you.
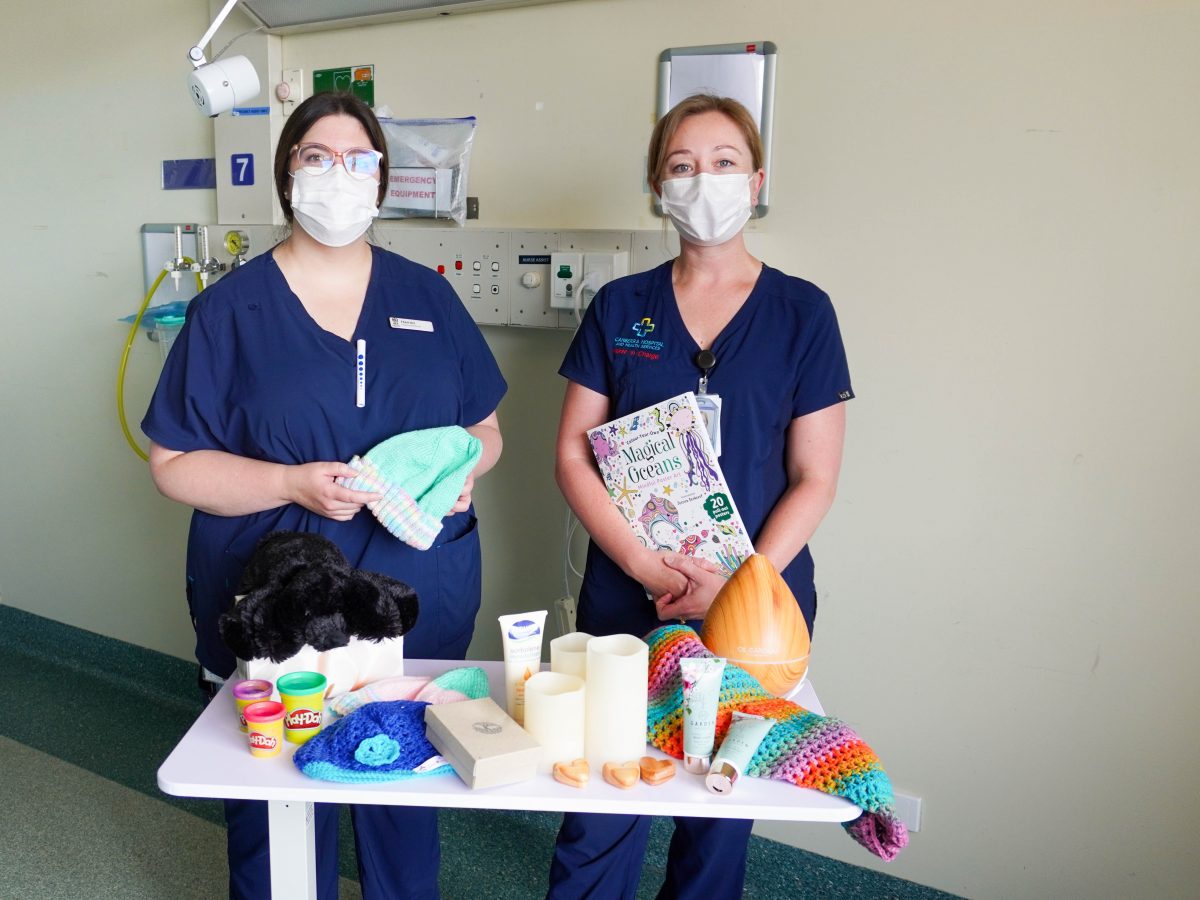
(554, 716)
(568, 654)
(616, 699)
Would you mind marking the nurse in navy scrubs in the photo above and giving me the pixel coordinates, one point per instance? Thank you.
(256, 414)
(768, 346)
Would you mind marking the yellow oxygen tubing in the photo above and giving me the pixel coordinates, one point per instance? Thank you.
(133, 330)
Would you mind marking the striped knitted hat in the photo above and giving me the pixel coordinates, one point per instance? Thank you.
(421, 475)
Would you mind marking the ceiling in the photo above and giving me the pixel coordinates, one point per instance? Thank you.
(287, 16)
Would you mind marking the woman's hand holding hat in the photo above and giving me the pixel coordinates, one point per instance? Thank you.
(312, 486)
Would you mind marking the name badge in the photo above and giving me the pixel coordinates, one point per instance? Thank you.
(710, 411)
(410, 324)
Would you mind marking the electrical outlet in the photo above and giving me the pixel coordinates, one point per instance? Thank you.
(601, 268)
(564, 607)
(908, 808)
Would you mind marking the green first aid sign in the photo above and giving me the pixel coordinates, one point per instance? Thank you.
(356, 80)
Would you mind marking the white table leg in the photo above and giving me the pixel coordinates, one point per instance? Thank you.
(293, 853)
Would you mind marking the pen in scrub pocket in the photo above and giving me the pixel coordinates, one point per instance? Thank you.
(360, 375)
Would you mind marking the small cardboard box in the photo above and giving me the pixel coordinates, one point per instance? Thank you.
(483, 744)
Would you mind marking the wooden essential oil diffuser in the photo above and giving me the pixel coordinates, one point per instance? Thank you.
(755, 623)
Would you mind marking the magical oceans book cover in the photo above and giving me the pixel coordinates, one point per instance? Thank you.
(662, 474)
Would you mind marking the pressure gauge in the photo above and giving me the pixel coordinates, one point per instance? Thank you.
(236, 242)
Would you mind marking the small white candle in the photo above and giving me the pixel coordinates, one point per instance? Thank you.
(616, 699)
(568, 654)
(554, 716)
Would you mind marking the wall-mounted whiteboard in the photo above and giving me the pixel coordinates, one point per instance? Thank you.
(745, 72)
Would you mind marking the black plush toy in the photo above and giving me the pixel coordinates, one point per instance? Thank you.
(299, 589)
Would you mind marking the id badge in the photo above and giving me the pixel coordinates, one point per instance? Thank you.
(710, 410)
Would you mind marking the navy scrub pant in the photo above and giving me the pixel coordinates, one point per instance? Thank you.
(599, 857)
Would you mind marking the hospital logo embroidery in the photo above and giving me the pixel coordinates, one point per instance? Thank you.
(642, 346)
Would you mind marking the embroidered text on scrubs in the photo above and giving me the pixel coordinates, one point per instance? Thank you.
(641, 346)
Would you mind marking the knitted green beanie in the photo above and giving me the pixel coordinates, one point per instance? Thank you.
(421, 475)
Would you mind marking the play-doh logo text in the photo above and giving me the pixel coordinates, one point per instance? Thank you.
(303, 718)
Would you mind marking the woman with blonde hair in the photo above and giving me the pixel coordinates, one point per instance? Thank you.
(766, 347)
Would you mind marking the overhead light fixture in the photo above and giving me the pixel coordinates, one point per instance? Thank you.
(222, 84)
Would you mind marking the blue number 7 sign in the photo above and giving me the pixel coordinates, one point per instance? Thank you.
(242, 165)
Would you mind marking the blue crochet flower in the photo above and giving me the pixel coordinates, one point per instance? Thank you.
(377, 751)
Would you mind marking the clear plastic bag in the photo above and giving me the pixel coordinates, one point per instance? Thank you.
(428, 162)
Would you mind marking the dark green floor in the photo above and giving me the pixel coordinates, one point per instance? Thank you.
(116, 710)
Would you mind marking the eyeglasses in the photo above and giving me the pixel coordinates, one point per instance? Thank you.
(317, 159)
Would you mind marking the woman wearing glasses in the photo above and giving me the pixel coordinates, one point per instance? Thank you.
(258, 409)
(768, 346)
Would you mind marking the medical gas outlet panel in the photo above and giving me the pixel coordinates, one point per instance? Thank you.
(524, 278)
(538, 279)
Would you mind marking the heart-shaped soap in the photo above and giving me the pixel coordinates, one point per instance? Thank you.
(623, 775)
(574, 773)
(655, 770)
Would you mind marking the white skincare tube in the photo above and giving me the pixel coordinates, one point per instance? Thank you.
(745, 733)
(521, 635)
(701, 690)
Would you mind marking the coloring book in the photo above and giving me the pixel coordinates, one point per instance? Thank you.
(661, 473)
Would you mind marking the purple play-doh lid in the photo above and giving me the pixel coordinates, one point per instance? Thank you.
(253, 689)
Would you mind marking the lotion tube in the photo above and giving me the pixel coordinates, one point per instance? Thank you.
(701, 691)
(745, 733)
(521, 636)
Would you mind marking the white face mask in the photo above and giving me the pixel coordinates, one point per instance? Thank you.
(708, 209)
(333, 207)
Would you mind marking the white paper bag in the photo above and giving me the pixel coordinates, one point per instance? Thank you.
(347, 668)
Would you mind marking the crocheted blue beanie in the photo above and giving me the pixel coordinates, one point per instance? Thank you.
(377, 742)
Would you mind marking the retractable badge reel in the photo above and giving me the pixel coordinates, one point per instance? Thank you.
(710, 404)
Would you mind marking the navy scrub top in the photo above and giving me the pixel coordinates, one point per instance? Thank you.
(779, 358)
(251, 373)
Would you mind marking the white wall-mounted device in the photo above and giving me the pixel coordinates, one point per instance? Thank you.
(222, 84)
(566, 276)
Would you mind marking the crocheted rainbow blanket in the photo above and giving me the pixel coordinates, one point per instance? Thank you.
(802, 747)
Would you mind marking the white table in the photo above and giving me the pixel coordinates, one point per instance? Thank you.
(213, 760)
